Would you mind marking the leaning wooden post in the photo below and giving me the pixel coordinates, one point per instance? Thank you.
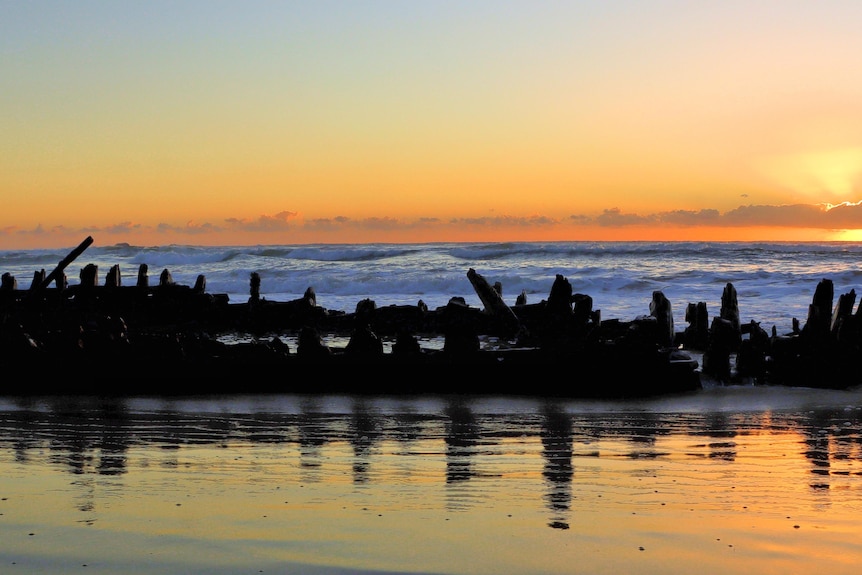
(492, 300)
(65, 262)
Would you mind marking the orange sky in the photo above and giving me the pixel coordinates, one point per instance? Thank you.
(292, 122)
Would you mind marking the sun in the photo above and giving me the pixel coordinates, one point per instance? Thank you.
(828, 176)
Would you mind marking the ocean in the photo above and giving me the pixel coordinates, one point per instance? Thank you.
(775, 282)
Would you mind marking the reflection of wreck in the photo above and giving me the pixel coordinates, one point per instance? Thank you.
(163, 339)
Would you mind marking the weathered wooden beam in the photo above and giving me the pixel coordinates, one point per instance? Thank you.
(65, 262)
(493, 303)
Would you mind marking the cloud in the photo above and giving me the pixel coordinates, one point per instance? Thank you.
(341, 223)
(793, 216)
(381, 224)
(580, 220)
(387, 224)
(40, 231)
(506, 221)
(191, 228)
(615, 218)
(814, 216)
(122, 228)
(278, 223)
(690, 218)
(843, 216)
(329, 224)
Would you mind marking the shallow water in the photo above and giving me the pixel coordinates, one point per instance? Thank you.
(728, 480)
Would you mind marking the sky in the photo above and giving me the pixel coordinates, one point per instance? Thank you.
(208, 122)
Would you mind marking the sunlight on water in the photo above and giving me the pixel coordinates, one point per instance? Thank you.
(432, 485)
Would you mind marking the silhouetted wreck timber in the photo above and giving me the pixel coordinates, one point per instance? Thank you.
(156, 365)
(166, 339)
(83, 343)
(825, 353)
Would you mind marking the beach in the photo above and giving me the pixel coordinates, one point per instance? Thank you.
(391, 288)
(725, 481)
(175, 475)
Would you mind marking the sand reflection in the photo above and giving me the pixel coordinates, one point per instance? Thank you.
(557, 441)
(434, 483)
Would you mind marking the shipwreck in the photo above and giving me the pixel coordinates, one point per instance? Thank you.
(162, 338)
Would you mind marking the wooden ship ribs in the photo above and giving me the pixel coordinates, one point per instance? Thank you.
(167, 339)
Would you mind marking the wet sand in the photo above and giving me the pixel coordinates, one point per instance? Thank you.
(726, 481)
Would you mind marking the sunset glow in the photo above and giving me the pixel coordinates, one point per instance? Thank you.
(340, 122)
